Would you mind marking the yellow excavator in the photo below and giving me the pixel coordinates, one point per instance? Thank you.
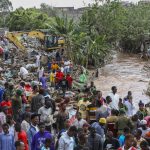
(12, 37)
(50, 42)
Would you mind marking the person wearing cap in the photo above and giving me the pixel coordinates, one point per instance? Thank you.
(100, 127)
(123, 121)
(143, 127)
(142, 110)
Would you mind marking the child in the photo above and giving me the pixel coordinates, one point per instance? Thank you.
(47, 144)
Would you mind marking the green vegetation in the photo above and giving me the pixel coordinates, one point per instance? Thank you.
(99, 29)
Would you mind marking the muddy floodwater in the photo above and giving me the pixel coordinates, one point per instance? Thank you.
(126, 72)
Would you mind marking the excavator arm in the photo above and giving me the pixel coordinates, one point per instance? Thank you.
(12, 38)
(37, 34)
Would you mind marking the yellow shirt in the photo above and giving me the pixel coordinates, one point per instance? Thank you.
(52, 77)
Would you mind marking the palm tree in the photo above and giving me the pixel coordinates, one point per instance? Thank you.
(65, 27)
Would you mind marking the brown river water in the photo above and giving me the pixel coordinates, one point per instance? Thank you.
(126, 72)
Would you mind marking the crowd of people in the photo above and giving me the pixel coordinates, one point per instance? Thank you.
(48, 113)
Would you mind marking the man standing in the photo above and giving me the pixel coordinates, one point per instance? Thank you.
(6, 139)
(79, 122)
(66, 141)
(37, 101)
(46, 114)
(33, 128)
(17, 104)
(115, 98)
(94, 140)
(100, 127)
(39, 138)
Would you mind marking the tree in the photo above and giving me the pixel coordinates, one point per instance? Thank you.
(5, 9)
(27, 19)
(5, 6)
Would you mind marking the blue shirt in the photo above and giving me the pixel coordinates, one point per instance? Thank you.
(31, 132)
(38, 140)
(7, 142)
(99, 129)
(121, 140)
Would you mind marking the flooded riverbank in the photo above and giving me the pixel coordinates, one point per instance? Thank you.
(126, 72)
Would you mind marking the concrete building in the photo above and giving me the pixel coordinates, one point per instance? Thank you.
(70, 11)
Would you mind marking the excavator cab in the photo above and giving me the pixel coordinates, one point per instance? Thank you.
(53, 42)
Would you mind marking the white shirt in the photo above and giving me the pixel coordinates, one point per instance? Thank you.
(115, 101)
(12, 130)
(66, 142)
(62, 69)
(67, 64)
(130, 108)
(2, 118)
(23, 71)
(25, 125)
(41, 71)
(45, 115)
(79, 123)
(144, 131)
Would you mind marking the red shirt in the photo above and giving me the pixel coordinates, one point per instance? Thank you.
(59, 76)
(8, 104)
(22, 136)
(69, 79)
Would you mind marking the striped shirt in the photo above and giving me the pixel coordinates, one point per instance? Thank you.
(91, 109)
(7, 142)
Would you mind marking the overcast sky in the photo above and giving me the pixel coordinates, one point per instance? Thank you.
(55, 3)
